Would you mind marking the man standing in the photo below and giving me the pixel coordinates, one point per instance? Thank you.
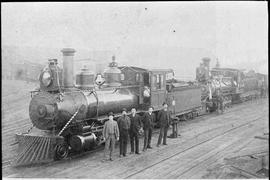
(135, 126)
(262, 90)
(148, 125)
(220, 101)
(124, 126)
(110, 134)
(164, 120)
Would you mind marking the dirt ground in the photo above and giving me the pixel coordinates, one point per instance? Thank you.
(202, 151)
(14, 113)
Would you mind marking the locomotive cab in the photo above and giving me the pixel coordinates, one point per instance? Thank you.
(158, 87)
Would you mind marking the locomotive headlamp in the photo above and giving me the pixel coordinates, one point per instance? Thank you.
(46, 78)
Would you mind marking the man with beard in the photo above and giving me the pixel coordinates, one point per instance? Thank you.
(164, 120)
(148, 125)
(124, 126)
(135, 126)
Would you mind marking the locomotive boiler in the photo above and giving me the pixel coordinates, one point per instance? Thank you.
(50, 111)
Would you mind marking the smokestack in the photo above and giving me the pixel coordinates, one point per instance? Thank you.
(206, 62)
(68, 54)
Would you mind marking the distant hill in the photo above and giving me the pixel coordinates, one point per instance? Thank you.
(183, 60)
(40, 55)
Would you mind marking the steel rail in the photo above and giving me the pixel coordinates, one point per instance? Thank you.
(165, 159)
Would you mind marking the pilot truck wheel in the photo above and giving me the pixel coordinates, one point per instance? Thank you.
(61, 151)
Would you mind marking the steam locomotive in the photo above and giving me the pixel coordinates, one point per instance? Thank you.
(233, 84)
(69, 117)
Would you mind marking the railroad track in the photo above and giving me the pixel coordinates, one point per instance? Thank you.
(8, 163)
(205, 141)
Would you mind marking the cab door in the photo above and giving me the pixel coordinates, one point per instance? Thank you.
(158, 89)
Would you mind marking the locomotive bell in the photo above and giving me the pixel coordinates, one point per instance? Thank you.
(99, 79)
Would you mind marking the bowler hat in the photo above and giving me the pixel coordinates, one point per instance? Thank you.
(124, 109)
(164, 103)
(111, 114)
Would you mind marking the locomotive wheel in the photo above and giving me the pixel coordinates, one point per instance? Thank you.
(61, 151)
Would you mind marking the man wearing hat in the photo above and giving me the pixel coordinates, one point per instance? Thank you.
(135, 127)
(164, 119)
(124, 126)
(110, 134)
(148, 125)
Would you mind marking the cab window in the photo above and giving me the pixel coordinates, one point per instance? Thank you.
(157, 81)
(137, 77)
(154, 82)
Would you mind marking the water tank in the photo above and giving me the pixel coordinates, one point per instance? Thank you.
(113, 74)
(85, 79)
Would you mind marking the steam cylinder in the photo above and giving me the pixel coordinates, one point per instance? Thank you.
(79, 143)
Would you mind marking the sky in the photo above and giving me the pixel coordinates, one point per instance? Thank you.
(160, 34)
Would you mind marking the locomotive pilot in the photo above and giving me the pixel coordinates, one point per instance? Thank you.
(110, 134)
(124, 126)
(148, 125)
(164, 119)
(135, 127)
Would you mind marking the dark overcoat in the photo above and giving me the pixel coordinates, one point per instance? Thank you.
(164, 118)
(135, 123)
(148, 120)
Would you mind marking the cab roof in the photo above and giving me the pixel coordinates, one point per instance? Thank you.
(142, 70)
(225, 69)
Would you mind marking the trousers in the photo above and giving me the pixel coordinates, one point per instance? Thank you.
(220, 107)
(162, 135)
(134, 136)
(109, 145)
(123, 139)
(147, 138)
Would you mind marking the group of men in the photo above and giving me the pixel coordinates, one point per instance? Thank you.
(130, 127)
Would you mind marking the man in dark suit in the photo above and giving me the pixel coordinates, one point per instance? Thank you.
(124, 126)
(148, 125)
(164, 119)
(135, 126)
